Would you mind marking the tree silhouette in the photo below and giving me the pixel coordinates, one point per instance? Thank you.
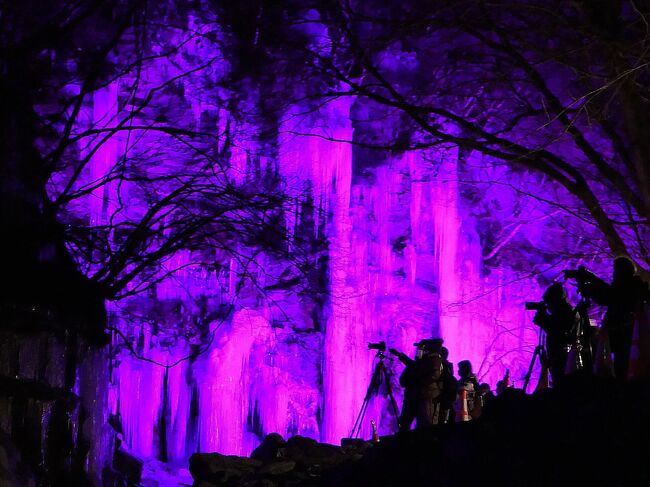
(569, 107)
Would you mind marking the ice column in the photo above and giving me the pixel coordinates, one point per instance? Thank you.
(140, 399)
(178, 393)
(346, 365)
(104, 114)
(223, 379)
(446, 230)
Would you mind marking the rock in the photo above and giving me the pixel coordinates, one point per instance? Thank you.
(229, 477)
(352, 442)
(215, 467)
(4, 460)
(355, 448)
(297, 461)
(278, 468)
(313, 456)
(128, 465)
(301, 442)
(271, 448)
(354, 457)
(260, 483)
(12, 470)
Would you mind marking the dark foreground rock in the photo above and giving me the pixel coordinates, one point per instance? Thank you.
(13, 471)
(590, 431)
(298, 461)
(129, 466)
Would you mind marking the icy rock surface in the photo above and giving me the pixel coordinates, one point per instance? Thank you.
(403, 261)
(231, 345)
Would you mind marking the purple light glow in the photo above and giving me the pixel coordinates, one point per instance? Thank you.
(260, 379)
(213, 209)
(404, 262)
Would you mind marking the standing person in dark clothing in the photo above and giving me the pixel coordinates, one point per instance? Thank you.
(622, 298)
(560, 321)
(501, 386)
(447, 365)
(467, 381)
(482, 397)
(423, 384)
(466, 375)
(450, 386)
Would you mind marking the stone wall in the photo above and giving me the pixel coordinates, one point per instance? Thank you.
(53, 414)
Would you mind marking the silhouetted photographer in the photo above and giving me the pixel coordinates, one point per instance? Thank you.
(560, 321)
(622, 298)
(423, 384)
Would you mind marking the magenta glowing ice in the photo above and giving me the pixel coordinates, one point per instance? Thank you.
(257, 378)
(403, 257)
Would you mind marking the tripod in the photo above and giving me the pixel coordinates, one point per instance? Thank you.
(583, 333)
(540, 353)
(379, 374)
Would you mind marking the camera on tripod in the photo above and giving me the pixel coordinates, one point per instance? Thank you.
(379, 381)
(379, 346)
(580, 274)
(535, 305)
(583, 278)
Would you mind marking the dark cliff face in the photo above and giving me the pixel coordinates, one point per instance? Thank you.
(53, 408)
(52, 318)
(41, 51)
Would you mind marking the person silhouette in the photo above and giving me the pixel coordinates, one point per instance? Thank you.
(560, 321)
(622, 298)
(423, 384)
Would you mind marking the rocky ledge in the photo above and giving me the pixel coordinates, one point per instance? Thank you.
(276, 462)
(590, 431)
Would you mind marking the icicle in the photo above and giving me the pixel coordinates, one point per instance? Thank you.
(223, 386)
(179, 394)
(102, 203)
(446, 232)
(140, 399)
